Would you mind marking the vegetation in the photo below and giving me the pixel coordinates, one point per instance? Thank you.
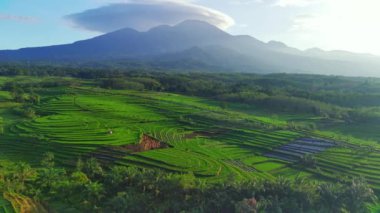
(132, 141)
(90, 188)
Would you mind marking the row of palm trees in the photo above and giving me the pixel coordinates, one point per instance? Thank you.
(91, 187)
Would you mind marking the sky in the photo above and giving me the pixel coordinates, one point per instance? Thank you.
(352, 25)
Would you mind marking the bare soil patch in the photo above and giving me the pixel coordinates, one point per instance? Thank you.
(146, 143)
(112, 153)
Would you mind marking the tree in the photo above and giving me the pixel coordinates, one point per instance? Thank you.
(357, 194)
(34, 98)
(308, 160)
(17, 94)
(1, 126)
(48, 160)
(22, 172)
(93, 168)
(331, 197)
(246, 206)
(79, 165)
(93, 192)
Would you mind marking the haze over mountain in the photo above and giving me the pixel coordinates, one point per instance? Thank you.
(199, 45)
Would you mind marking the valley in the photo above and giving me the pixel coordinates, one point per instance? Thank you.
(75, 119)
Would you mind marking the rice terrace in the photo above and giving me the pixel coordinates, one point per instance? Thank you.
(190, 106)
(76, 119)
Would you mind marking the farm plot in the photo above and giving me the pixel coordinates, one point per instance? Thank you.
(295, 150)
(90, 120)
(71, 127)
(202, 138)
(184, 161)
(345, 163)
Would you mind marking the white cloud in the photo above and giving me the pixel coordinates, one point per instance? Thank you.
(283, 3)
(295, 3)
(245, 2)
(145, 14)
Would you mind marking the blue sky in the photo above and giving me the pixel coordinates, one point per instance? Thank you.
(329, 24)
(39, 22)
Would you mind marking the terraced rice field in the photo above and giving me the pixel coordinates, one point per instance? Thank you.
(343, 162)
(295, 150)
(203, 139)
(211, 142)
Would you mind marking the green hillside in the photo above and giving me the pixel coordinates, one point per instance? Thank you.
(214, 140)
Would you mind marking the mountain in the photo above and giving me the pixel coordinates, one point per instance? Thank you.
(126, 43)
(199, 45)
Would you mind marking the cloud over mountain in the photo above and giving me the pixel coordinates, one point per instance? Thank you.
(145, 14)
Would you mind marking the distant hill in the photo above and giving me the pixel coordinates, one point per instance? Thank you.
(199, 45)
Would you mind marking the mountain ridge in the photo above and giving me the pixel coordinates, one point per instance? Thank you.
(166, 43)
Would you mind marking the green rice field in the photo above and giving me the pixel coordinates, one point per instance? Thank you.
(212, 142)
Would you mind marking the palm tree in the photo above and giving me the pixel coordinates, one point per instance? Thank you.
(23, 171)
(330, 197)
(357, 195)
